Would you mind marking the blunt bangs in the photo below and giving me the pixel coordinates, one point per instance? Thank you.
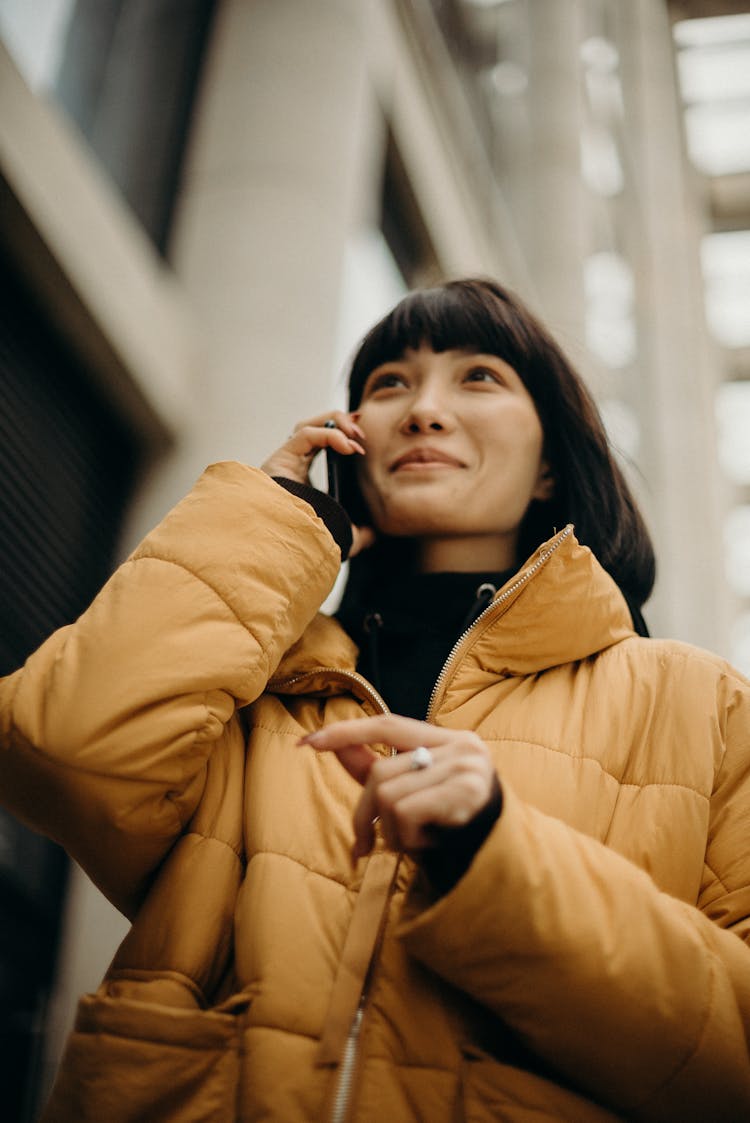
(461, 315)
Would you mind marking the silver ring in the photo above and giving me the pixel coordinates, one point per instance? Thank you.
(330, 424)
(421, 758)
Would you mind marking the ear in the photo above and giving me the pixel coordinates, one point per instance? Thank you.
(545, 483)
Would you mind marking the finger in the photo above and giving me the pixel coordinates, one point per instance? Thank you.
(294, 457)
(349, 423)
(451, 804)
(312, 438)
(358, 761)
(402, 733)
(364, 835)
(345, 422)
(410, 828)
(318, 421)
(366, 766)
(383, 794)
(462, 773)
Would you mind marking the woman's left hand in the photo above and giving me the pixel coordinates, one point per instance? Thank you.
(409, 800)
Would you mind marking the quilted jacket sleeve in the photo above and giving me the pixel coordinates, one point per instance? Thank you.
(639, 999)
(107, 728)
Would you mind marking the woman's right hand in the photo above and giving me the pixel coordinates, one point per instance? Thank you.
(295, 456)
(293, 460)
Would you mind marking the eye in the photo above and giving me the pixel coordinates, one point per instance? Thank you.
(386, 380)
(484, 374)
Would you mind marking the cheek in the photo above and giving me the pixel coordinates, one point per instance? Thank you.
(371, 423)
(372, 465)
(516, 458)
(526, 442)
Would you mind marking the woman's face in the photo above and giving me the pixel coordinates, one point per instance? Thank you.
(454, 453)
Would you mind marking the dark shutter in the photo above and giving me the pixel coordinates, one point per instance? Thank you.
(67, 466)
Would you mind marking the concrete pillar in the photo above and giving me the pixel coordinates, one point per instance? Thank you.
(273, 180)
(678, 367)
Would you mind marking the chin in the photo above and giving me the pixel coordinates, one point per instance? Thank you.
(420, 516)
(413, 524)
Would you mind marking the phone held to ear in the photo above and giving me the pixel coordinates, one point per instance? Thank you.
(333, 465)
(340, 488)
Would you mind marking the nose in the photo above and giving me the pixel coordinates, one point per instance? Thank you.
(428, 412)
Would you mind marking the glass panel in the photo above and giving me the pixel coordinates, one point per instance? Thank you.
(733, 423)
(718, 136)
(34, 32)
(737, 544)
(713, 64)
(715, 73)
(740, 643)
(725, 258)
(718, 29)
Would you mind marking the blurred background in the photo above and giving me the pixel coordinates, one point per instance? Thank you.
(203, 205)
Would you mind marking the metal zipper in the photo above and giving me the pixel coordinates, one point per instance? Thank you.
(348, 1062)
(522, 580)
(337, 672)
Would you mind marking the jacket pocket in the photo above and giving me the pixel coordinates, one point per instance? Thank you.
(492, 1092)
(128, 1061)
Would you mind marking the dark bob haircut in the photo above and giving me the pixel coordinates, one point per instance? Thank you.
(590, 489)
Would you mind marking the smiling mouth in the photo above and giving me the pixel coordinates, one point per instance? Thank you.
(425, 458)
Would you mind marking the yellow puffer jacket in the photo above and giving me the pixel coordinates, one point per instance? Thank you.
(591, 965)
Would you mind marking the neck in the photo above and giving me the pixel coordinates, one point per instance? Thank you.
(480, 554)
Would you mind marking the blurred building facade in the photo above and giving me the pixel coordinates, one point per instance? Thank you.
(206, 203)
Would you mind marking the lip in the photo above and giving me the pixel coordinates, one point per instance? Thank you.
(425, 458)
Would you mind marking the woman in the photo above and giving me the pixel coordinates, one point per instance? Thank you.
(534, 904)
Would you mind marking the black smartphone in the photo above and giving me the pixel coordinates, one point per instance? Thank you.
(333, 467)
(343, 487)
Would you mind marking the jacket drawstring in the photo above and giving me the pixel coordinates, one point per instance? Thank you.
(484, 594)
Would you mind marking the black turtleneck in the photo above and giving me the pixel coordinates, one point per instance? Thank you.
(406, 629)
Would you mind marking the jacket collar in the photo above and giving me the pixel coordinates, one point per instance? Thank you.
(559, 608)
